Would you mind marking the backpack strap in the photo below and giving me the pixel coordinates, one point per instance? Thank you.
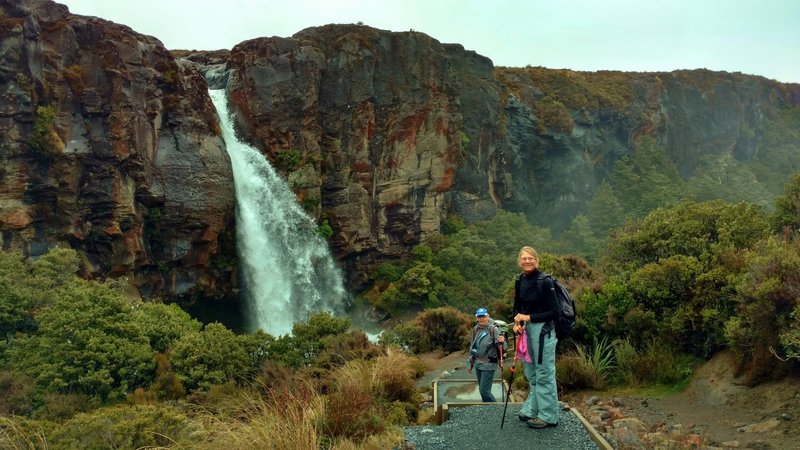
(539, 285)
(540, 280)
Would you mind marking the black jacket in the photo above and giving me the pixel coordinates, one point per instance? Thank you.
(540, 303)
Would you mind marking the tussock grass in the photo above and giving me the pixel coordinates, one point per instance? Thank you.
(285, 420)
(17, 433)
(360, 411)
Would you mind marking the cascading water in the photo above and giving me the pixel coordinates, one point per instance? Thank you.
(287, 269)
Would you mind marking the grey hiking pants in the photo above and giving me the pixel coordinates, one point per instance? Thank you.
(485, 378)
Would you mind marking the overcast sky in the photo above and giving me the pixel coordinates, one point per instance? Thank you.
(760, 37)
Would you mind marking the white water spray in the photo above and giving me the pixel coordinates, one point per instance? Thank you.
(287, 269)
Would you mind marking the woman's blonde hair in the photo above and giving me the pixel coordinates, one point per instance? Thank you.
(529, 250)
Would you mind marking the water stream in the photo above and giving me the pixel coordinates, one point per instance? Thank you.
(287, 271)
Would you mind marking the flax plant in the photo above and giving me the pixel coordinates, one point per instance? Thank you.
(602, 358)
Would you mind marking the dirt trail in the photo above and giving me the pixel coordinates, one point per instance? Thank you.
(719, 408)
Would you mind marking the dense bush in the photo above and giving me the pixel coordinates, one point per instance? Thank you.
(464, 269)
(673, 274)
(706, 231)
(446, 329)
(163, 324)
(605, 311)
(210, 357)
(787, 208)
(309, 341)
(121, 427)
(766, 299)
(790, 338)
(85, 343)
(656, 363)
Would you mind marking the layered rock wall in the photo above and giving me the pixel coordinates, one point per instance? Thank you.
(112, 147)
(111, 144)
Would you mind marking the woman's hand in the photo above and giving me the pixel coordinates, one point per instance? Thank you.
(522, 318)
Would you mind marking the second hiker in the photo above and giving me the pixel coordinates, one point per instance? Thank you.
(486, 353)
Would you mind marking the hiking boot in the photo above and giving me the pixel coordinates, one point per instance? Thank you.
(523, 417)
(539, 423)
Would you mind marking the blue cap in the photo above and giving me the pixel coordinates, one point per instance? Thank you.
(481, 312)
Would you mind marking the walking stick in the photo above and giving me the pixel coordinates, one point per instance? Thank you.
(510, 381)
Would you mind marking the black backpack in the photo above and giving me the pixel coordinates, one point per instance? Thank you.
(565, 323)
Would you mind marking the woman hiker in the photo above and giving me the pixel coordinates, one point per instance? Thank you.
(535, 309)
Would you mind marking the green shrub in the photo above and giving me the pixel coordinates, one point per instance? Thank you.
(210, 357)
(787, 207)
(664, 285)
(766, 298)
(407, 336)
(163, 324)
(655, 364)
(123, 427)
(445, 328)
(605, 311)
(423, 284)
(59, 407)
(790, 339)
(452, 224)
(389, 271)
(85, 343)
(306, 347)
(464, 141)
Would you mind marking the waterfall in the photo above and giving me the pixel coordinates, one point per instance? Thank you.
(286, 268)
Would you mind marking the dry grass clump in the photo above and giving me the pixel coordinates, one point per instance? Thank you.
(17, 433)
(285, 420)
(365, 402)
(395, 373)
(370, 397)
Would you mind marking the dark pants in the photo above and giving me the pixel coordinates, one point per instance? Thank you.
(485, 378)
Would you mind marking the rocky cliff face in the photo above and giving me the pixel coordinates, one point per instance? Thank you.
(112, 147)
(369, 128)
(111, 144)
(385, 134)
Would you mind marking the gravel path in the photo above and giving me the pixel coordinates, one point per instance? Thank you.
(478, 427)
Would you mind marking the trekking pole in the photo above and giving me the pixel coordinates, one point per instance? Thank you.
(502, 354)
(510, 380)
